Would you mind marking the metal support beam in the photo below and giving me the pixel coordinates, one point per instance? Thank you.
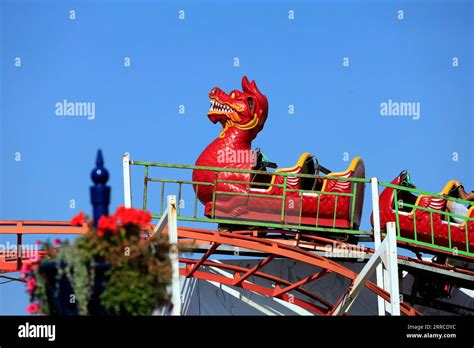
(127, 188)
(239, 279)
(377, 239)
(174, 255)
(393, 269)
(208, 253)
(267, 310)
(169, 219)
(19, 249)
(386, 255)
(302, 282)
(162, 224)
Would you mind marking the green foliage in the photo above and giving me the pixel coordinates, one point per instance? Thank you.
(41, 296)
(129, 292)
(138, 278)
(80, 271)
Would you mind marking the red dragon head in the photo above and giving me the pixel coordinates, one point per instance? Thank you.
(246, 110)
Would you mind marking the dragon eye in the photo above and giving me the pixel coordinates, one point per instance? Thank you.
(250, 102)
(232, 95)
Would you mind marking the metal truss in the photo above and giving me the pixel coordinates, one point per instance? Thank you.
(282, 289)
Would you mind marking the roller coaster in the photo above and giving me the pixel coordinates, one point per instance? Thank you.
(422, 227)
(305, 213)
(322, 242)
(451, 252)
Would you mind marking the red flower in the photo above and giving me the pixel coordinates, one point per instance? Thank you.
(78, 220)
(31, 285)
(56, 242)
(145, 218)
(133, 216)
(106, 223)
(25, 269)
(33, 308)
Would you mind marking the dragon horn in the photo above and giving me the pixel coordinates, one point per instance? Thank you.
(245, 83)
(250, 87)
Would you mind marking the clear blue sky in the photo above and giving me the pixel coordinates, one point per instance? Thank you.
(173, 62)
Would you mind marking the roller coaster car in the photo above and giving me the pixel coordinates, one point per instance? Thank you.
(438, 225)
(317, 204)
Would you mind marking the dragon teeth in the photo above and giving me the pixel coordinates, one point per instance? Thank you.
(216, 106)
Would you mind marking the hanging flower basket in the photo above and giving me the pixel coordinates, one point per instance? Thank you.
(60, 292)
(111, 270)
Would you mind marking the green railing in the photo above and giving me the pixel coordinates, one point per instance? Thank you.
(415, 236)
(180, 184)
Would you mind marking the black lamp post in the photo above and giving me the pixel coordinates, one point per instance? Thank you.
(100, 192)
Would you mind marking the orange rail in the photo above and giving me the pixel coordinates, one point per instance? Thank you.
(12, 260)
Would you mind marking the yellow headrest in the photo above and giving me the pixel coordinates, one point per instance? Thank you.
(354, 164)
(447, 187)
(352, 167)
(303, 159)
(300, 163)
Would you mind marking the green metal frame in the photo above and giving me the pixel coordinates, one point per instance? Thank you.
(446, 214)
(282, 197)
(315, 228)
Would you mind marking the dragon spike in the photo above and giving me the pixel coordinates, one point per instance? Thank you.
(245, 84)
(250, 87)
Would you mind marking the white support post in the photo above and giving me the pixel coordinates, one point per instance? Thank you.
(127, 187)
(377, 240)
(386, 280)
(169, 218)
(174, 255)
(385, 254)
(393, 269)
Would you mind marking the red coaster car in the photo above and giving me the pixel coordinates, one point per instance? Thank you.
(323, 202)
(435, 229)
(280, 198)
